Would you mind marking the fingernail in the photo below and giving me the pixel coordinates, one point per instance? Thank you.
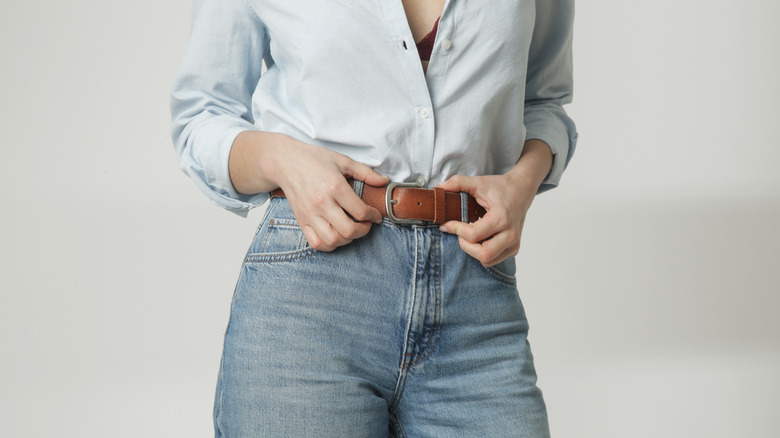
(443, 229)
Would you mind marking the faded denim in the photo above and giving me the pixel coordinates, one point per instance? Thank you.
(399, 333)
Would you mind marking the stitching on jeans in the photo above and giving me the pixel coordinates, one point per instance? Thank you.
(500, 276)
(218, 416)
(399, 430)
(280, 257)
(399, 390)
(407, 336)
(302, 249)
(436, 314)
(402, 374)
(428, 350)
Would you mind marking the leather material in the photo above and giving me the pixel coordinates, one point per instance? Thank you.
(440, 205)
(431, 205)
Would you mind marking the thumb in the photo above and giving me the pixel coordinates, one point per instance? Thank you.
(364, 173)
(459, 183)
(451, 227)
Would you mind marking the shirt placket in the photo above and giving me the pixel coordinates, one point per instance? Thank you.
(422, 88)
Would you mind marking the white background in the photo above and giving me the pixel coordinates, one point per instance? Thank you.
(650, 276)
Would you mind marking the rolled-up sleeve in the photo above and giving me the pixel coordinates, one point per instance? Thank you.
(212, 93)
(549, 85)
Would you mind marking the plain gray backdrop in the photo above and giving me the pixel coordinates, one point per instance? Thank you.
(650, 276)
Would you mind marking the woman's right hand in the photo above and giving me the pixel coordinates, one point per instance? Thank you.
(313, 180)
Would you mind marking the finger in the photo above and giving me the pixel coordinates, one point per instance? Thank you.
(488, 251)
(501, 246)
(472, 249)
(324, 237)
(313, 238)
(509, 252)
(478, 231)
(352, 204)
(460, 183)
(346, 227)
(336, 217)
(364, 173)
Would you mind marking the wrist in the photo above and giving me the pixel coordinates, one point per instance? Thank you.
(534, 164)
(269, 144)
(252, 161)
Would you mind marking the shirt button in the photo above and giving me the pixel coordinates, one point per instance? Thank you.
(425, 113)
(446, 44)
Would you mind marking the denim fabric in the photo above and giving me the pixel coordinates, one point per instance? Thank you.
(399, 333)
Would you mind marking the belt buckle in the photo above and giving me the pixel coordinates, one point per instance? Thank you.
(389, 202)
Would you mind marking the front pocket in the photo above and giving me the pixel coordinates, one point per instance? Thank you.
(281, 240)
(503, 272)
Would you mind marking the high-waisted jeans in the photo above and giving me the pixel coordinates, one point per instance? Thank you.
(399, 333)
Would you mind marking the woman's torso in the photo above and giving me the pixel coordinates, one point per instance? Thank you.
(346, 75)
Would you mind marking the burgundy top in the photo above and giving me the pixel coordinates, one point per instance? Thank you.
(425, 46)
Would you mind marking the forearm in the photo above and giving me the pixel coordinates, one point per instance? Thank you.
(534, 164)
(251, 161)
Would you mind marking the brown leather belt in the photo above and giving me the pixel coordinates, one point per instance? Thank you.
(408, 203)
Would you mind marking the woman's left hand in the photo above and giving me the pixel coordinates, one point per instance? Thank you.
(506, 199)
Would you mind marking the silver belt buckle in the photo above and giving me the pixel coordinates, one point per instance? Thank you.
(389, 202)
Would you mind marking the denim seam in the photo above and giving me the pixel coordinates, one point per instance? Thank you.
(280, 257)
(218, 417)
(414, 305)
(428, 350)
(221, 388)
(433, 334)
(500, 276)
(399, 430)
(402, 368)
(261, 256)
(418, 267)
(266, 215)
(399, 390)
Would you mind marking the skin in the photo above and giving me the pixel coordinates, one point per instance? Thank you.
(313, 180)
(506, 198)
(421, 16)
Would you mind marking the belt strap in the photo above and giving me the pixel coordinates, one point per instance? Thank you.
(415, 203)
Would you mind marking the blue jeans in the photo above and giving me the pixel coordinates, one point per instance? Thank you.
(400, 333)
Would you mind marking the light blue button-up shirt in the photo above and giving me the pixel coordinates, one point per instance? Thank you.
(346, 75)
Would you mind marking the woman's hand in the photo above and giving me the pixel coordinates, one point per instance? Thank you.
(313, 180)
(506, 199)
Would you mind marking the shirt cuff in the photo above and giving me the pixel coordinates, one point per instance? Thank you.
(555, 128)
(213, 177)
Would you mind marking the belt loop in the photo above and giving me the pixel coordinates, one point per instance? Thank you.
(358, 187)
(439, 206)
(464, 207)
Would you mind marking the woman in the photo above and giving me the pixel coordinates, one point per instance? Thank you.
(362, 311)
